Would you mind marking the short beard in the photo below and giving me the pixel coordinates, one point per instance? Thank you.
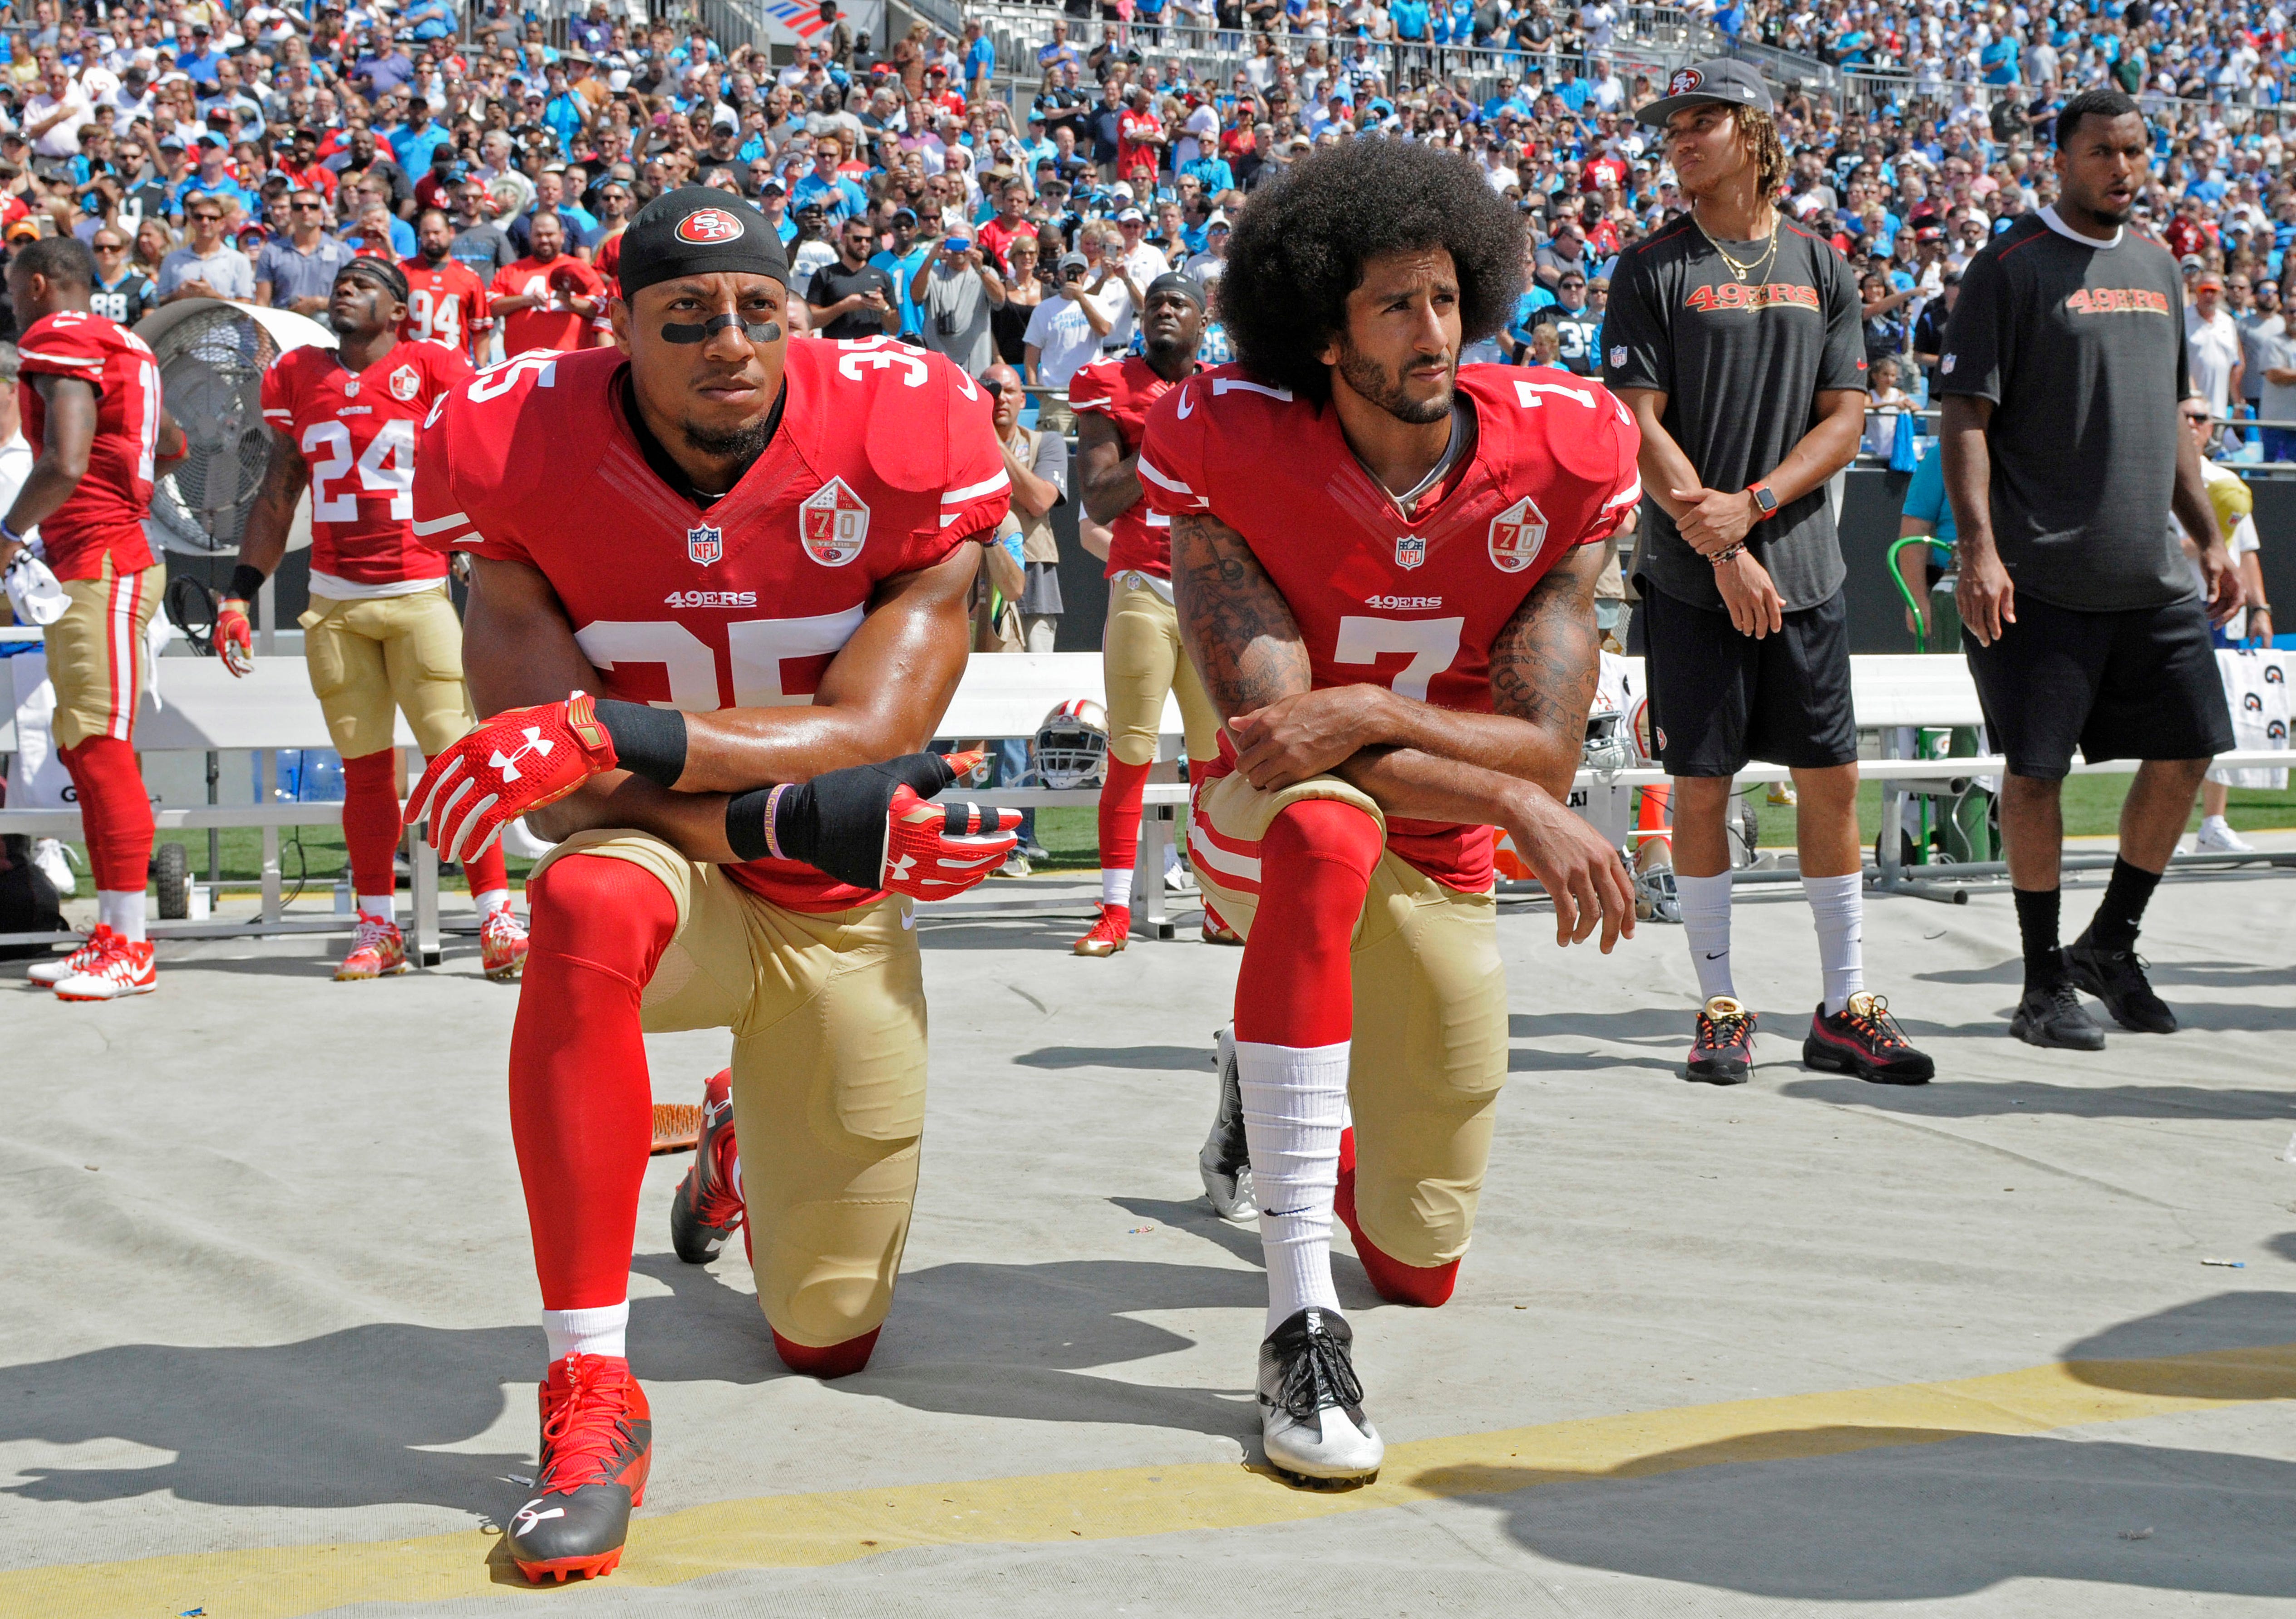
(744, 443)
(1155, 351)
(1364, 375)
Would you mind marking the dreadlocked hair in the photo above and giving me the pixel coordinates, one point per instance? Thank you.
(1769, 152)
(1301, 244)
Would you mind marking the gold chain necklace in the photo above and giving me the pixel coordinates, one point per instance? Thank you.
(1742, 271)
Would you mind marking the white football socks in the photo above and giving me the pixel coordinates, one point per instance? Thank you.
(1295, 1102)
(595, 1331)
(377, 904)
(491, 901)
(1838, 905)
(1115, 888)
(122, 909)
(1706, 924)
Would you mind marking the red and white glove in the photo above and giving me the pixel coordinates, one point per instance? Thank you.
(936, 851)
(870, 826)
(233, 637)
(514, 762)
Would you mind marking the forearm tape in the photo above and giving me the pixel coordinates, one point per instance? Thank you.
(246, 582)
(648, 741)
(834, 822)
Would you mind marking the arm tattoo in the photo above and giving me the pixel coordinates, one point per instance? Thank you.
(1545, 663)
(1235, 624)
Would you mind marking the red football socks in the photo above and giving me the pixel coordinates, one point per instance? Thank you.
(1119, 815)
(1294, 987)
(487, 872)
(371, 825)
(115, 813)
(1426, 1285)
(581, 1102)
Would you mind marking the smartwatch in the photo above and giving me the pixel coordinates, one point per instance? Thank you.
(1764, 503)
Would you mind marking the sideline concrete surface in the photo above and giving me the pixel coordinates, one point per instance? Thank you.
(1802, 1345)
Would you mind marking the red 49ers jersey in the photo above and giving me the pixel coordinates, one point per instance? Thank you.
(105, 513)
(446, 303)
(356, 432)
(886, 460)
(1122, 390)
(549, 325)
(1415, 602)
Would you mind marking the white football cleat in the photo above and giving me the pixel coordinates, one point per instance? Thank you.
(1225, 1161)
(80, 961)
(2215, 836)
(56, 863)
(124, 968)
(1311, 1414)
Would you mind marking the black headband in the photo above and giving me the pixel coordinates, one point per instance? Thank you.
(1172, 281)
(382, 272)
(699, 230)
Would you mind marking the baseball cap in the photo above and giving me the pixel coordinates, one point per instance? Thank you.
(773, 186)
(900, 214)
(1072, 261)
(1722, 82)
(1130, 215)
(2191, 261)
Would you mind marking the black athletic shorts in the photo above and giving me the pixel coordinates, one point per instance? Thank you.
(1718, 699)
(2141, 684)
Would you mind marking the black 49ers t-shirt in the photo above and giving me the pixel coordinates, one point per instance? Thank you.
(2080, 345)
(1742, 365)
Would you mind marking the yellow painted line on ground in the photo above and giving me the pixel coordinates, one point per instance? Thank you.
(814, 1530)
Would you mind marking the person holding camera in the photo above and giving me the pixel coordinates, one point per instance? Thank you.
(955, 292)
(1066, 333)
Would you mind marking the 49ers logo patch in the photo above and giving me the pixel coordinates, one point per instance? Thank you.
(833, 524)
(405, 382)
(708, 226)
(1516, 536)
(1684, 81)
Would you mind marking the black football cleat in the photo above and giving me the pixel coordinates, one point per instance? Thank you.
(1311, 1416)
(1225, 1161)
(597, 1447)
(1723, 1052)
(708, 1209)
(1863, 1039)
(2053, 1015)
(2117, 977)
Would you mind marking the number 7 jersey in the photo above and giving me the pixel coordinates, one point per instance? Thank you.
(356, 432)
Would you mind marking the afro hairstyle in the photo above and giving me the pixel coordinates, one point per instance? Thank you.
(1299, 247)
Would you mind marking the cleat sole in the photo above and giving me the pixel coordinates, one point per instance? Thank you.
(140, 989)
(1834, 1062)
(562, 1569)
(1698, 1075)
(1097, 947)
(506, 974)
(366, 978)
(1321, 1483)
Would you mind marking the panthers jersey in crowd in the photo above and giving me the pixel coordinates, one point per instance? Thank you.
(886, 460)
(356, 431)
(446, 303)
(1414, 602)
(105, 513)
(1122, 390)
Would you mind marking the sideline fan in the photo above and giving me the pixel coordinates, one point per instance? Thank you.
(381, 636)
(1385, 570)
(759, 554)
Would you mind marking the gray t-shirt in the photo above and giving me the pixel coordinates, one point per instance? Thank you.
(1742, 365)
(226, 271)
(954, 314)
(2081, 347)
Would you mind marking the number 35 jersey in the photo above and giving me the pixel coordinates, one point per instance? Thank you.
(885, 463)
(1413, 602)
(356, 432)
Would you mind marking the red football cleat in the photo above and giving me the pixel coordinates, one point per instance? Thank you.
(1108, 934)
(597, 1446)
(1426, 1285)
(706, 1208)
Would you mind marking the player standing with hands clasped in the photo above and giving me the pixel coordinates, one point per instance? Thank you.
(2063, 374)
(1385, 572)
(1735, 337)
(759, 554)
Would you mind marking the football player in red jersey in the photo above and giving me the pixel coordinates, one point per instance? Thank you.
(89, 392)
(1385, 569)
(1141, 654)
(380, 635)
(760, 554)
(445, 301)
(550, 299)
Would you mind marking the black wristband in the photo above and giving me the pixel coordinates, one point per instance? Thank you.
(246, 581)
(648, 741)
(834, 822)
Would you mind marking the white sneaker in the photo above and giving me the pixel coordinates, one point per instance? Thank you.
(1225, 1161)
(1311, 1414)
(56, 863)
(80, 961)
(124, 968)
(2218, 838)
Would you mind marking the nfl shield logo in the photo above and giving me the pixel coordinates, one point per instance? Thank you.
(704, 545)
(350, 388)
(1410, 550)
(1516, 535)
(833, 524)
(405, 382)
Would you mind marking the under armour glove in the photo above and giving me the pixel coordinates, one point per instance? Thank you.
(513, 763)
(870, 826)
(233, 637)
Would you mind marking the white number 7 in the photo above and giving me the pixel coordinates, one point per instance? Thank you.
(1432, 643)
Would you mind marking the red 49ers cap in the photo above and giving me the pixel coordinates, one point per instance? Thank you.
(699, 230)
(1724, 82)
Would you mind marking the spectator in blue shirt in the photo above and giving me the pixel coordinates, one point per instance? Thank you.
(1212, 170)
(900, 263)
(427, 19)
(839, 198)
(414, 142)
(563, 110)
(1411, 21)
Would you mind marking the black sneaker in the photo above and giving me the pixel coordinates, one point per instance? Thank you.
(1723, 1053)
(2117, 977)
(1863, 1039)
(1311, 1414)
(597, 1448)
(2053, 1015)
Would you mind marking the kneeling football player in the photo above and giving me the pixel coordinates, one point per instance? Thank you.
(381, 634)
(719, 604)
(1385, 570)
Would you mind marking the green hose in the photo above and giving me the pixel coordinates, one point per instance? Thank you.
(1898, 578)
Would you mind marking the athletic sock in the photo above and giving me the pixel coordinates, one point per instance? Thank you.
(122, 909)
(2038, 913)
(1837, 906)
(2122, 908)
(370, 826)
(1706, 924)
(601, 1330)
(490, 900)
(383, 905)
(488, 875)
(581, 1103)
(1120, 826)
(1116, 886)
(1294, 1020)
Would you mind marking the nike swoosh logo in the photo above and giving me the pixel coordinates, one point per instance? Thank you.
(908, 919)
(1184, 406)
(1716, 955)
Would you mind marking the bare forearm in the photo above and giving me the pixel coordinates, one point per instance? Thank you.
(1110, 493)
(693, 823)
(1238, 629)
(1663, 463)
(1968, 469)
(1416, 786)
(1822, 451)
(48, 487)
